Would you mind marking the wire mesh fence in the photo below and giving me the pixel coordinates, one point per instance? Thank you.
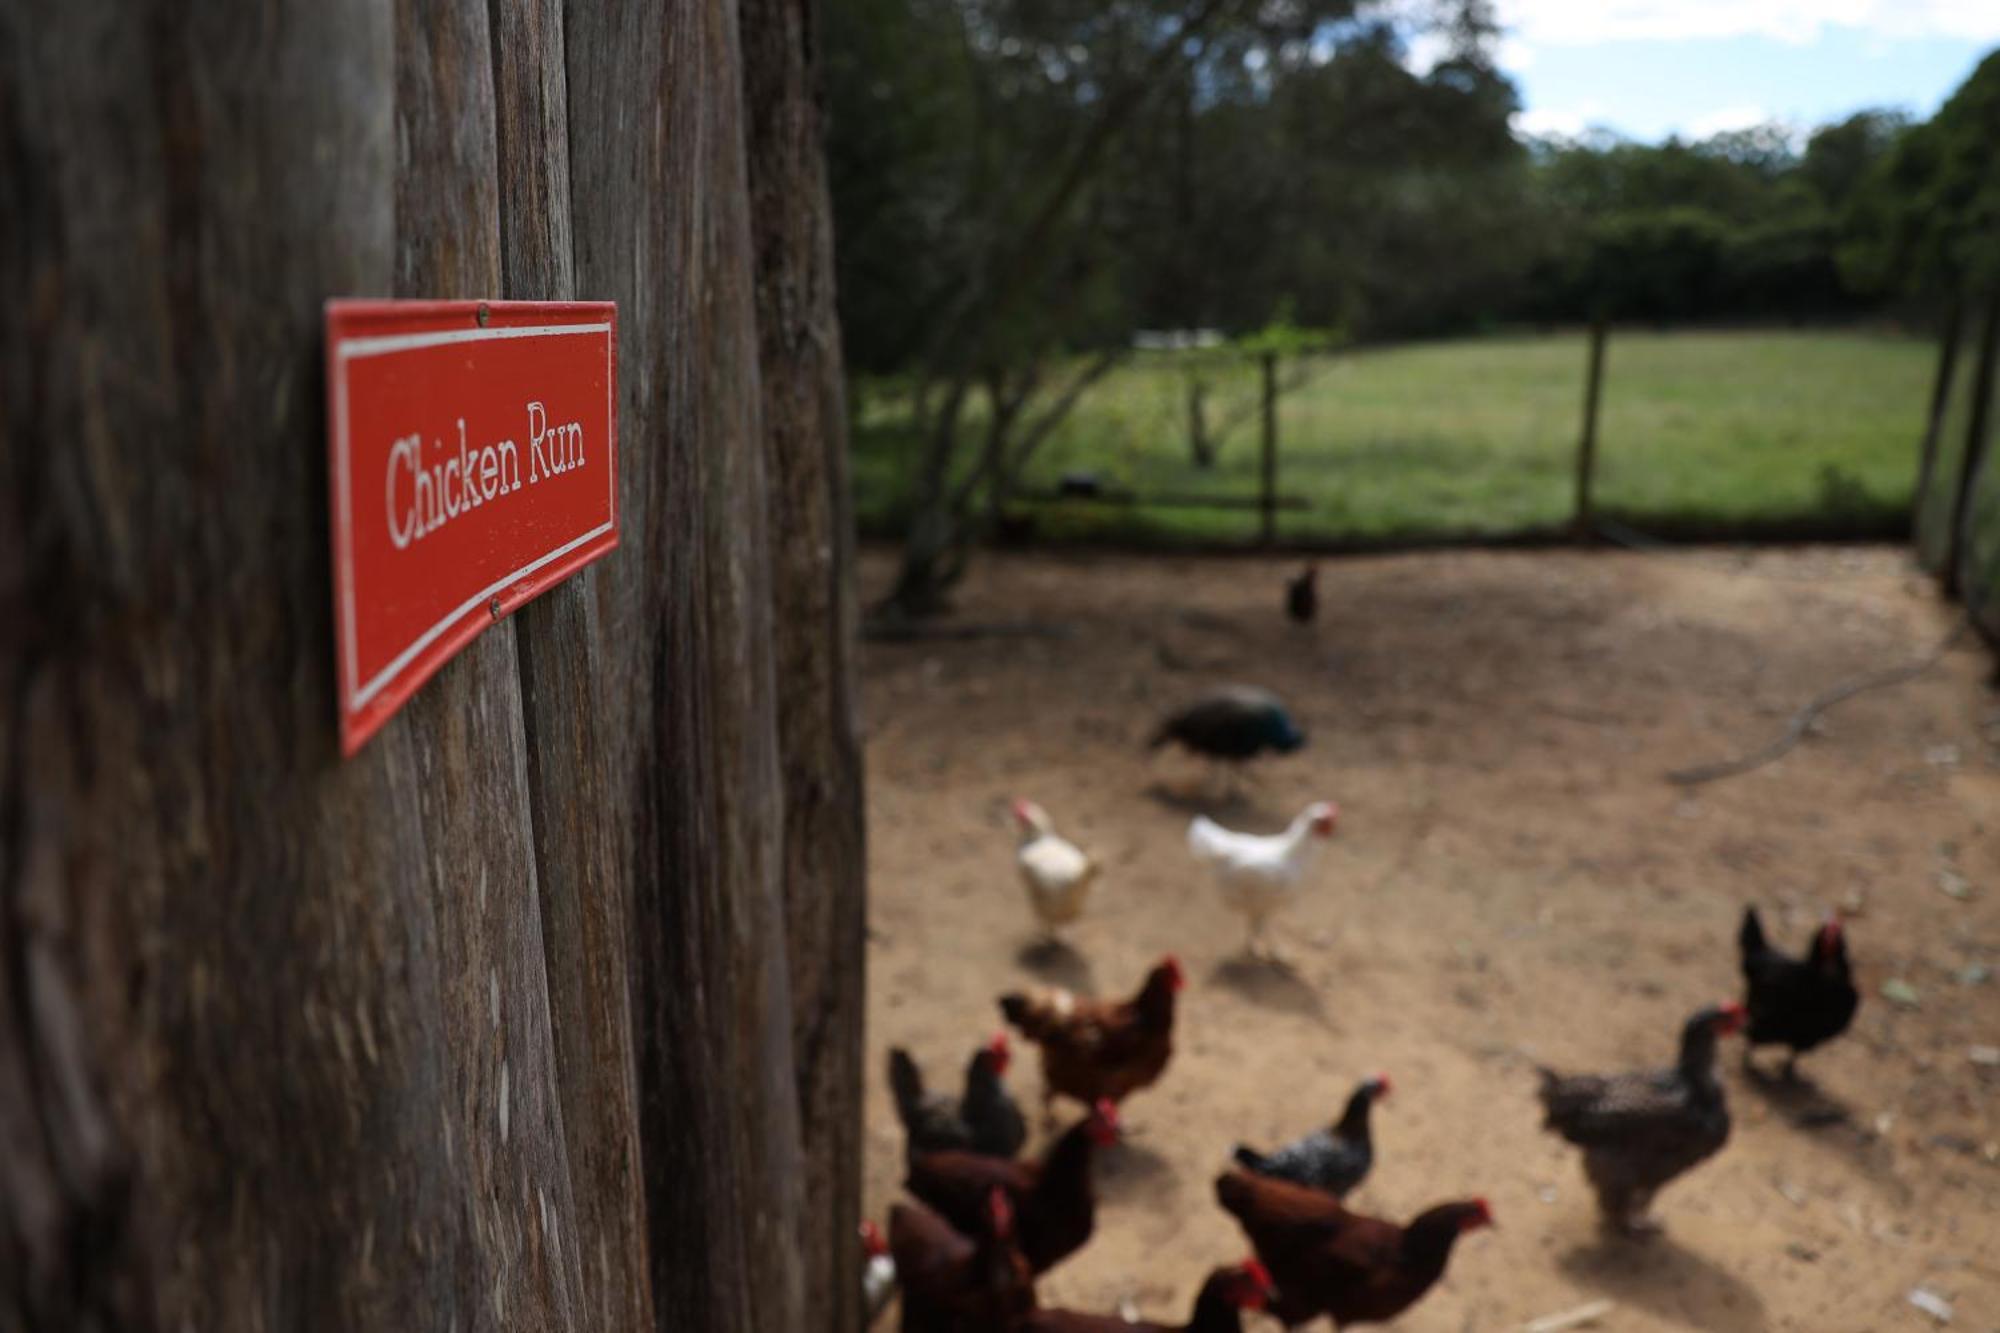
(1712, 433)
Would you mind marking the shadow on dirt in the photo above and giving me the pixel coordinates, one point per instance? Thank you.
(1272, 984)
(1059, 964)
(1239, 807)
(1133, 1172)
(1672, 1282)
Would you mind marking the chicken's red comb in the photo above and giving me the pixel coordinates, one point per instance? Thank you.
(872, 1243)
(1385, 1087)
(1254, 1270)
(1001, 1210)
(1106, 1110)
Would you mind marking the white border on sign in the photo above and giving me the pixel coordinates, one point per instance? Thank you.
(353, 348)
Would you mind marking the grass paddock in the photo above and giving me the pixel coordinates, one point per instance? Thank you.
(1750, 430)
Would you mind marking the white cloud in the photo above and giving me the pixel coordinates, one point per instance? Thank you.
(1424, 50)
(1724, 119)
(1514, 54)
(1557, 122)
(1583, 22)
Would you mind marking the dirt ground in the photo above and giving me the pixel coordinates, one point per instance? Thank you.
(1513, 882)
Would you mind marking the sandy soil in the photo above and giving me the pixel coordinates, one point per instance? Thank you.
(1513, 882)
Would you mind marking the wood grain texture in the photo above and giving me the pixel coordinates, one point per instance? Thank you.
(813, 625)
(492, 1026)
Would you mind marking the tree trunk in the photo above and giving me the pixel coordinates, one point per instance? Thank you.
(813, 626)
(494, 1025)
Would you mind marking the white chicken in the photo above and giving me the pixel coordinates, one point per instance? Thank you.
(878, 1273)
(1259, 874)
(1055, 870)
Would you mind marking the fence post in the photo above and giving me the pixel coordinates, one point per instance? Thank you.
(1975, 439)
(1269, 495)
(1586, 453)
(1947, 365)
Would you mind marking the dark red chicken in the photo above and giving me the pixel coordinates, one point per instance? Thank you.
(1640, 1130)
(953, 1283)
(1054, 1204)
(1327, 1260)
(1798, 1003)
(1217, 1309)
(1095, 1050)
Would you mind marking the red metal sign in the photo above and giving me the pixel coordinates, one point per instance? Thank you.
(474, 457)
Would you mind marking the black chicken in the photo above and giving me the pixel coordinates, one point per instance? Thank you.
(1232, 724)
(1302, 595)
(1334, 1159)
(1640, 1130)
(983, 1120)
(1796, 1002)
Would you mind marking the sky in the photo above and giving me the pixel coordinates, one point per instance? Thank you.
(1650, 68)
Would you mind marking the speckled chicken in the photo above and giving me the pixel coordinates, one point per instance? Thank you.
(1798, 1003)
(982, 1119)
(1640, 1130)
(1334, 1159)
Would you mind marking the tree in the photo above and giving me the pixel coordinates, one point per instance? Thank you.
(1148, 165)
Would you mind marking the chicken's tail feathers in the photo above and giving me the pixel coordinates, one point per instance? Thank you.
(907, 1082)
(1017, 1010)
(1204, 838)
(1564, 1098)
(1249, 1158)
(1750, 939)
(1234, 1192)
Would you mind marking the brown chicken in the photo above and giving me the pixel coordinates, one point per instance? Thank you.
(1327, 1260)
(1096, 1050)
(1054, 1205)
(1217, 1309)
(1640, 1130)
(957, 1284)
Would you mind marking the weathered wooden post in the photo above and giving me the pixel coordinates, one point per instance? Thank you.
(1586, 450)
(1976, 433)
(541, 1010)
(1947, 366)
(1268, 487)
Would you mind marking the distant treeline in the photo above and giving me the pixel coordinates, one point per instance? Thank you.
(1305, 175)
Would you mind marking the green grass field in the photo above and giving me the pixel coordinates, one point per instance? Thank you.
(1717, 431)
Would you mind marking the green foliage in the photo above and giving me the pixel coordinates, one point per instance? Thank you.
(1480, 436)
(1926, 217)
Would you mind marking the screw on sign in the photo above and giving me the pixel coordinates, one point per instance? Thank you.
(472, 450)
